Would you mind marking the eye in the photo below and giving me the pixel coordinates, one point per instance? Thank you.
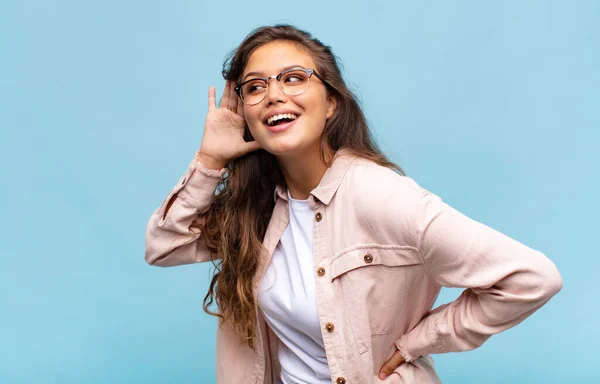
(254, 86)
(295, 77)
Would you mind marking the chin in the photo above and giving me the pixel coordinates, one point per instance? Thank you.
(282, 149)
(280, 144)
(293, 142)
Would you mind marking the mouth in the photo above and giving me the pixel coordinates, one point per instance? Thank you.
(281, 119)
(281, 122)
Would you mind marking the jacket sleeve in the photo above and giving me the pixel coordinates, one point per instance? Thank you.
(505, 280)
(170, 239)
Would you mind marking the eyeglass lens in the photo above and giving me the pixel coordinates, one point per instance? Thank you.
(292, 83)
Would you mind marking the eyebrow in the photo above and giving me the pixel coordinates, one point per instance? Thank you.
(262, 74)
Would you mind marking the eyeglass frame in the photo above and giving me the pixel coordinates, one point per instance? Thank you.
(309, 72)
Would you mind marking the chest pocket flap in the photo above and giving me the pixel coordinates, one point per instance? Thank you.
(370, 255)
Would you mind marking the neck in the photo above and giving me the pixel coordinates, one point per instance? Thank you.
(303, 172)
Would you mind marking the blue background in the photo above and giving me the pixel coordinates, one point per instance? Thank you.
(494, 107)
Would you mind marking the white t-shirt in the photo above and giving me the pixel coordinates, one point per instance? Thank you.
(287, 298)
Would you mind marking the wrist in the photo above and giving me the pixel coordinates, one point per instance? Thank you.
(209, 162)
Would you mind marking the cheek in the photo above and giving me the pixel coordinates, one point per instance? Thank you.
(316, 104)
(252, 119)
(318, 114)
(258, 131)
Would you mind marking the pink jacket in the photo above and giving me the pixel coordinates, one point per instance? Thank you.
(383, 248)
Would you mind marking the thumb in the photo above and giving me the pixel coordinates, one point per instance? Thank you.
(251, 146)
(389, 367)
(247, 147)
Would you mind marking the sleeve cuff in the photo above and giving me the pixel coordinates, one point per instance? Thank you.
(199, 184)
(196, 165)
(401, 345)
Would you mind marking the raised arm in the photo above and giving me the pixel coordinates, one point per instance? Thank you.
(171, 237)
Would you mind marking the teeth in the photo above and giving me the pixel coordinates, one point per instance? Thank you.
(275, 118)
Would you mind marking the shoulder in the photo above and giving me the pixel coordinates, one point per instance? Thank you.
(381, 200)
(371, 182)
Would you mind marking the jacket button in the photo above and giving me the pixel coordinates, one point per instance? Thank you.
(320, 271)
(368, 258)
(340, 380)
(329, 327)
(318, 216)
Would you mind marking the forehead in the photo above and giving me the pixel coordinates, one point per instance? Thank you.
(272, 57)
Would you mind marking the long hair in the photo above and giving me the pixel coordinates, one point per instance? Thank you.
(236, 223)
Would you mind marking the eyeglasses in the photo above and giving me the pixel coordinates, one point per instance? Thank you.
(292, 82)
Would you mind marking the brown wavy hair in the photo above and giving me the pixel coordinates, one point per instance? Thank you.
(236, 223)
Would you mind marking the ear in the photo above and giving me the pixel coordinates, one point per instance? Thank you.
(331, 105)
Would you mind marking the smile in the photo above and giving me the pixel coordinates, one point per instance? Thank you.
(281, 125)
(281, 119)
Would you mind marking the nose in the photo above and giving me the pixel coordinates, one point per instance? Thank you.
(274, 93)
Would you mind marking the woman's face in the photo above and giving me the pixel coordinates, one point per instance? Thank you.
(312, 108)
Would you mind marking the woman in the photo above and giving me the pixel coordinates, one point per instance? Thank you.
(329, 259)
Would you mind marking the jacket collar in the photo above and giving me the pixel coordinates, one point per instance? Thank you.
(330, 181)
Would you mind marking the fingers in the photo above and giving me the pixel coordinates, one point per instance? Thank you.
(240, 108)
(233, 97)
(389, 367)
(225, 99)
(212, 99)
